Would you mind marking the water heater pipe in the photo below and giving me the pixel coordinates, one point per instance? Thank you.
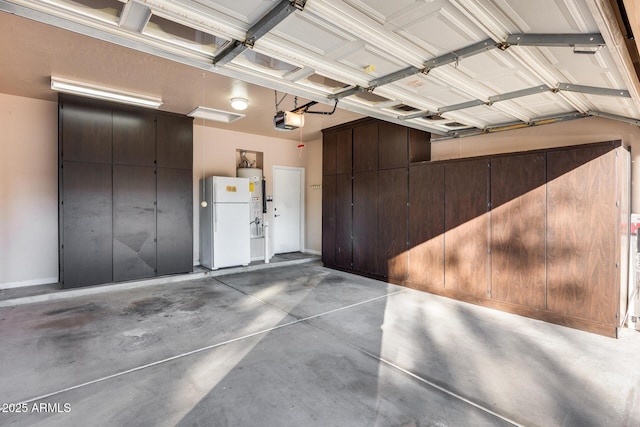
(265, 230)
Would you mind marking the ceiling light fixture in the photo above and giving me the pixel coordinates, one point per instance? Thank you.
(98, 92)
(215, 115)
(239, 104)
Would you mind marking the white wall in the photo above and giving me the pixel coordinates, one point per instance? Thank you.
(214, 153)
(313, 206)
(581, 131)
(28, 191)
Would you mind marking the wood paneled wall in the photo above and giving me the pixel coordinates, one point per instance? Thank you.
(125, 192)
(537, 233)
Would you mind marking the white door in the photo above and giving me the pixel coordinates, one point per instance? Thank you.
(288, 209)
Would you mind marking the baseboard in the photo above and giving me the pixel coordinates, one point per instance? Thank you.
(32, 282)
(312, 252)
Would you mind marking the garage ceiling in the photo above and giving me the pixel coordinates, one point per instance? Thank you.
(452, 67)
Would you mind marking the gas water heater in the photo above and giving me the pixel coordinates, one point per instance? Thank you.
(257, 205)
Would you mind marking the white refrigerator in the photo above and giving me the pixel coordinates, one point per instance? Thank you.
(225, 232)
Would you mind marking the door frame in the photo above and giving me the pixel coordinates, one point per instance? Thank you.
(302, 203)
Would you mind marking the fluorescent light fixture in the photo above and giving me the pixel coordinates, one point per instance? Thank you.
(98, 92)
(215, 115)
(239, 104)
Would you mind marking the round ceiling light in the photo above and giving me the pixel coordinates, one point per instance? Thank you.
(239, 104)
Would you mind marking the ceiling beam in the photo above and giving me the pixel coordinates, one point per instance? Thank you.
(591, 90)
(265, 24)
(629, 120)
(512, 126)
(454, 56)
(462, 106)
(519, 93)
(348, 92)
(554, 40)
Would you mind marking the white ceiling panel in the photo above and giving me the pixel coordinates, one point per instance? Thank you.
(385, 11)
(246, 11)
(497, 71)
(425, 31)
(547, 16)
(371, 61)
(483, 115)
(541, 105)
(313, 34)
(382, 58)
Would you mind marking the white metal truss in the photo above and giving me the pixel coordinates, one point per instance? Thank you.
(455, 66)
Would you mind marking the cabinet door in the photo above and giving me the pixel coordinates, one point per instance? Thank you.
(174, 141)
(518, 204)
(85, 134)
(467, 227)
(344, 151)
(419, 146)
(365, 222)
(329, 219)
(175, 221)
(343, 221)
(426, 226)
(329, 153)
(392, 226)
(134, 222)
(582, 234)
(392, 146)
(134, 138)
(365, 147)
(86, 224)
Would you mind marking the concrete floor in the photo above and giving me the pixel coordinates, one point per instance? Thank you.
(304, 346)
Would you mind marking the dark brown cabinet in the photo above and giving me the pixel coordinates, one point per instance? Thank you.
(87, 133)
(539, 233)
(343, 229)
(121, 216)
(365, 147)
(466, 223)
(86, 224)
(365, 222)
(134, 222)
(393, 150)
(134, 138)
(329, 153)
(344, 151)
(174, 140)
(365, 182)
(392, 224)
(583, 234)
(329, 219)
(426, 226)
(175, 221)
(518, 227)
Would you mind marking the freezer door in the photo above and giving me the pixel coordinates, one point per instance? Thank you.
(231, 240)
(231, 190)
